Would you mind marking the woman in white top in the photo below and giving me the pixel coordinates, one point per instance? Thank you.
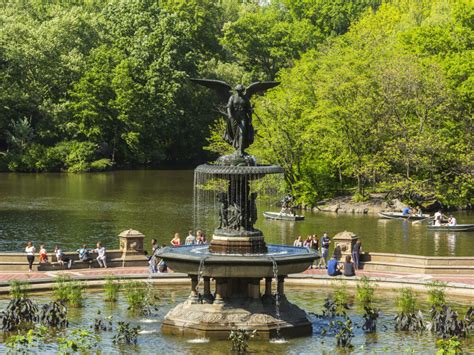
(298, 242)
(30, 254)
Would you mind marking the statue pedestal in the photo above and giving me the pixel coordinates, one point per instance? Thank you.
(131, 240)
(247, 242)
(344, 243)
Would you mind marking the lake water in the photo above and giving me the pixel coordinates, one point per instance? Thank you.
(71, 209)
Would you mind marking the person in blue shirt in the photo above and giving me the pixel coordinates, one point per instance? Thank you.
(333, 269)
(406, 211)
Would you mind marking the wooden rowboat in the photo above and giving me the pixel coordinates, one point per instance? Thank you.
(400, 215)
(456, 228)
(283, 216)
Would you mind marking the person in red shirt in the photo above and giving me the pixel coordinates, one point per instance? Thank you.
(176, 241)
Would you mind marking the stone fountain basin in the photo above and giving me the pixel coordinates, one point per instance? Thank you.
(187, 259)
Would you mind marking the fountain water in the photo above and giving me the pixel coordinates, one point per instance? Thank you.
(237, 258)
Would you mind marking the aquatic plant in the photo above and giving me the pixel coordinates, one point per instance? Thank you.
(111, 289)
(19, 289)
(126, 334)
(408, 318)
(74, 293)
(135, 294)
(60, 291)
(78, 340)
(20, 313)
(54, 314)
(23, 343)
(449, 346)
(342, 330)
(437, 294)
(445, 322)
(365, 291)
(67, 290)
(365, 295)
(338, 303)
(240, 340)
(101, 324)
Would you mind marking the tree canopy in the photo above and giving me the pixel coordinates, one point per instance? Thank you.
(374, 95)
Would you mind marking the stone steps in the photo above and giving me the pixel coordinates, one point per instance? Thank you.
(416, 269)
(417, 260)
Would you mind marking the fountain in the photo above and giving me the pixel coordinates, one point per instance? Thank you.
(237, 258)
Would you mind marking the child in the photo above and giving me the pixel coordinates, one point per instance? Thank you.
(43, 254)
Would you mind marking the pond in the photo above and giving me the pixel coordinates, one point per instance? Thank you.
(151, 339)
(71, 209)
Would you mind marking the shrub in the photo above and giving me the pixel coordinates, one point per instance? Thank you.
(365, 291)
(406, 301)
(66, 290)
(54, 314)
(449, 346)
(408, 318)
(126, 334)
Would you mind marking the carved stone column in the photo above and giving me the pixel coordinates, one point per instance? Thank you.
(194, 296)
(254, 289)
(207, 297)
(220, 290)
(281, 286)
(267, 296)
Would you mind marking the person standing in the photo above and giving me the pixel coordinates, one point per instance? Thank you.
(325, 241)
(176, 241)
(298, 242)
(30, 251)
(356, 253)
(314, 247)
(102, 256)
(190, 239)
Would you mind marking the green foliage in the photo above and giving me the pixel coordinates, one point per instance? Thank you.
(67, 290)
(138, 296)
(406, 301)
(78, 340)
(19, 289)
(126, 334)
(240, 340)
(24, 343)
(449, 346)
(437, 294)
(365, 291)
(111, 289)
(341, 297)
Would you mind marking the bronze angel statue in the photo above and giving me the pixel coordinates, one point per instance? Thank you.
(239, 130)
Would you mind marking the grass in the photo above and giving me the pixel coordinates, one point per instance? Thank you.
(111, 289)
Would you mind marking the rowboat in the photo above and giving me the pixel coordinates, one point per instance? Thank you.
(456, 228)
(283, 216)
(400, 215)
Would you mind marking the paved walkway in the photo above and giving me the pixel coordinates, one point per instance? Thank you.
(466, 280)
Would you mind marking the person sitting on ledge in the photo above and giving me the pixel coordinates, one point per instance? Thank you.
(102, 257)
(84, 254)
(61, 258)
(43, 254)
(333, 269)
(349, 269)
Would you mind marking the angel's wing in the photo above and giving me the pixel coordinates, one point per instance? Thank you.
(260, 86)
(220, 87)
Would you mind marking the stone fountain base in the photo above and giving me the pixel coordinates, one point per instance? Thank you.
(217, 320)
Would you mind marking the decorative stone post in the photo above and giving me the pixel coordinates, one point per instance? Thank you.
(267, 296)
(343, 243)
(131, 240)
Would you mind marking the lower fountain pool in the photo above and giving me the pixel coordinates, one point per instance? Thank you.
(151, 338)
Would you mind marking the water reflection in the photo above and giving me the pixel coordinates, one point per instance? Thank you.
(72, 209)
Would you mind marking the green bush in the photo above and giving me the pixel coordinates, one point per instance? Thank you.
(101, 165)
(437, 294)
(66, 290)
(365, 291)
(136, 294)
